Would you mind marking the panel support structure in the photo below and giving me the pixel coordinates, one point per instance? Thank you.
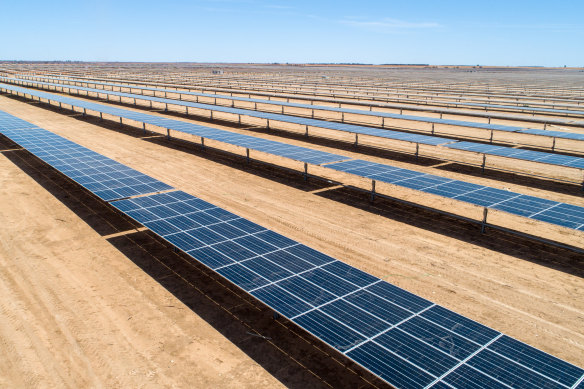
(484, 222)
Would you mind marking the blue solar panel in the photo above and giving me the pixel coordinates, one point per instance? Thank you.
(557, 134)
(275, 148)
(404, 339)
(528, 155)
(105, 177)
(9, 122)
(565, 215)
(295, 105)
(317, 157)
(519, 108)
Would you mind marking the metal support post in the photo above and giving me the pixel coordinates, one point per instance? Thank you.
(417, 151)
(356, 140)
(165, 107)
(489, 120)
(306, 131)
(144, 128)
(432, 128)
(484, 162)
(121, 124)
(268, 125)
(491, 140)
(372, 190)
(305, 171)
(239, 119)
(484, 222)
(84, 112)
(554, 144)
(168, 133)
(342, 117)
(247, 154)
(202, 143)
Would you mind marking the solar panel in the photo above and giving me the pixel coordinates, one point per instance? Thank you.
(565, 215)
(382, 133)
(314, 98)
(276, 148)
(556, 134)
(553, 212)
(405, 339)
(9, 122)
(516, 108)
(528, 155)
(485, 126)
(105, 177)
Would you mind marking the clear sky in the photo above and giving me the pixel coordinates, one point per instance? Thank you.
(488, 32)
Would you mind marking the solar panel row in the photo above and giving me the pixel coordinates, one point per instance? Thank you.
(351, 128)
(406, 340)
(326, 108)
(9, 122)
(276, 148)
(561, 214)
(518, 108)
(108, 179)
(528, 155)
(456, 103)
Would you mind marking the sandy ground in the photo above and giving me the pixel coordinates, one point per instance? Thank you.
(81, 307)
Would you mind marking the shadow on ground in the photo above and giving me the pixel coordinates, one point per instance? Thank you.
(291, 355)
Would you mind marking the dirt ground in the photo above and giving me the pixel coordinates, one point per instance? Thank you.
(89, 301)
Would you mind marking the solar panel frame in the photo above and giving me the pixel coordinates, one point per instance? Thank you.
(533, 156)
(358, 314)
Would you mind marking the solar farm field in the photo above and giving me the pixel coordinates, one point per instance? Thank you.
(307, 226)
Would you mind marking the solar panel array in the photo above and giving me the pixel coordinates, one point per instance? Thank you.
(485, 126)
(360, 112)
(528, 155)
(9, 122)
(404, 339)
(556, 134)
(297, 153)
(313, 98)
(561, 214)
(515, 108)
(363, 130)
(408, 341)
(106, 178)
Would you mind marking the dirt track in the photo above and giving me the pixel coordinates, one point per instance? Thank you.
(81, 307)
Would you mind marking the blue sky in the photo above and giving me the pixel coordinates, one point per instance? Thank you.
(491, 32)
